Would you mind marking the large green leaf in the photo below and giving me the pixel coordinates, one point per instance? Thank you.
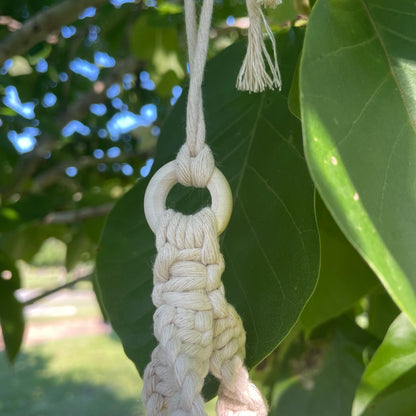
(393, 362)
(271, 244)
(325, 375)
(358, 105)
(397, 400)
(344, 277)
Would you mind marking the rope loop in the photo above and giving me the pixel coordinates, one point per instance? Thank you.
(195, 170)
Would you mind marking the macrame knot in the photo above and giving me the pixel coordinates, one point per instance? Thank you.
(197, 329)
(195, 170)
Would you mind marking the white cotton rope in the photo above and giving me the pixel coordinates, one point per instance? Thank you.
(253, 76)
(197, 330)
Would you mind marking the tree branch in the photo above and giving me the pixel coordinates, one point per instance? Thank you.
(98, 93)
(77, 215)
(37, 28)
(29, 162)
(57, 289)
(53, 175)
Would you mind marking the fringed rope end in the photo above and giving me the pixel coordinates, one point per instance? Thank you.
(243, 399)
(253, 75)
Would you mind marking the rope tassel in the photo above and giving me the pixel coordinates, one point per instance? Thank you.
(253, 75)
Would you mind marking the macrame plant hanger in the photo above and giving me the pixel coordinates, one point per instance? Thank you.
(197, 330)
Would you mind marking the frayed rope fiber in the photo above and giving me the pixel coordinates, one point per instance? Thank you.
(253, 75)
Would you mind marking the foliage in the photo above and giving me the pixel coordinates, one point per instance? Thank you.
(319, 259)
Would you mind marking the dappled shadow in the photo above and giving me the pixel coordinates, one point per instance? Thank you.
(30, 388)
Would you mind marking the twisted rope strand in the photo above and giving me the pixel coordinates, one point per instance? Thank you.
(183, 321)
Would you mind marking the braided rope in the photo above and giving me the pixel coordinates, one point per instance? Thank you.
(196, 328)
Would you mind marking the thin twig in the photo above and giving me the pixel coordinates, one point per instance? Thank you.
(42, 24)
(77, 215)
(97, 94)
(54, 174)
(30, 161)
(57, 289)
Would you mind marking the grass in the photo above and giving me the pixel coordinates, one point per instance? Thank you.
(83, 376)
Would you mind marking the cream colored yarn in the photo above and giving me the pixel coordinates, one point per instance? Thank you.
(197, 330)
(253, 75)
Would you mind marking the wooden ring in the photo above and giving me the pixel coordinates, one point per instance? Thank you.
(164, 180)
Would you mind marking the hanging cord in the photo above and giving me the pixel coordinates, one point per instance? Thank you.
(195, 162)
(253, 76)
(197, 330)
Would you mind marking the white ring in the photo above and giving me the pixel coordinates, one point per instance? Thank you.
(164, 180)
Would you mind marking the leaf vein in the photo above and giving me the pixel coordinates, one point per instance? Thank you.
(364, 108)
(406, 104)
(398, 34)
(250, 144)
(389, 9)
(349, 47)
(232, 125)
(284, 138)
(263, 252)
(276, 195)
(383, 190)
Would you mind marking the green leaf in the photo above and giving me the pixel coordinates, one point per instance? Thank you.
(77, 249)
(396, 400)
(9, 219)
(11, 310)
(324, 377)
(143, 39)
(166, 83)
(27, 239)
(382, 311)
(395, 358)
(359, 114)
(294, 99)
(155, 42)
(344, 277)
(284, 13)
(270, 246)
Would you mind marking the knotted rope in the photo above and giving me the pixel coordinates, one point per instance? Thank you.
(197, 330)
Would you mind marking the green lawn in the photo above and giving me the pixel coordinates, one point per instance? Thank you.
(83, 376)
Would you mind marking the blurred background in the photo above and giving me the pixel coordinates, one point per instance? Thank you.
(70, 362)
